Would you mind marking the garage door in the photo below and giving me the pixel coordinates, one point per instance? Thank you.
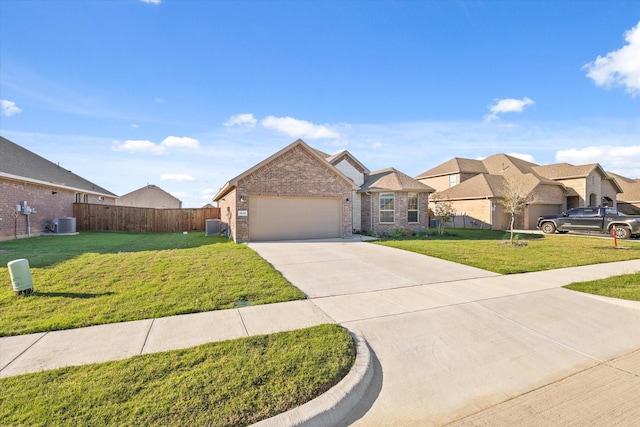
(292, 218)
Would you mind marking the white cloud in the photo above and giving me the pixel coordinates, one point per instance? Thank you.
(521, 156)
(624, 160)
(620, 67)
(241, 120)
(138, 146)
(8, 108)
(508, 105)
(180, 142)
(145, 146)
(176, 177)
(135, 125)
(151, 1)
(299, 128)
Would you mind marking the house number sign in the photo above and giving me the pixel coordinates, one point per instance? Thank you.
(242, 213)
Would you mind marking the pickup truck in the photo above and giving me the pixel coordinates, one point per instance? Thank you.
(601, 220)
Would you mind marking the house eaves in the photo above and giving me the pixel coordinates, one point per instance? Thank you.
(233, 183)
(57, 185)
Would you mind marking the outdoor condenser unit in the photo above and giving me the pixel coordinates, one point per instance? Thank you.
(212, 227)
(64, 224)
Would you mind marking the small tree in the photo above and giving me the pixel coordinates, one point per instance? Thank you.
(442, 212)
(516, 196)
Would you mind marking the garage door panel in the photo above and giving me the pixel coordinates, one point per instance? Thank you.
(282, 218)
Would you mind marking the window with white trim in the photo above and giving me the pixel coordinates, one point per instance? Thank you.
(412, 207)
(452, 181)
(387, 208)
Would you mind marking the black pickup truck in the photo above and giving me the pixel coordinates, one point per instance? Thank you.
(601, 220)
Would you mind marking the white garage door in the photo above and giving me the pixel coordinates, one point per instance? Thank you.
(292, 218)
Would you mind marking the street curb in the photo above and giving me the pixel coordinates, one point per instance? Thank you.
(335, 404)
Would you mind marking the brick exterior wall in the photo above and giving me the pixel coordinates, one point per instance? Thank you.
(370, 211)
(295, 173)
(40, 198)
(228, 212)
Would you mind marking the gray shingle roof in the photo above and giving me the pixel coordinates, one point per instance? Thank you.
(455, 165)
(20, 162)
(566, 170)
(393, 180)
(630, 188)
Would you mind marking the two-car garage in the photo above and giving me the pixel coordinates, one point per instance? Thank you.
(292, 218)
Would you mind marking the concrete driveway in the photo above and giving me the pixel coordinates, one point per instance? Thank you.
(453, 341)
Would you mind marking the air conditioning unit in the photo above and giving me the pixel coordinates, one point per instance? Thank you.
(64, 224)
(212, 227)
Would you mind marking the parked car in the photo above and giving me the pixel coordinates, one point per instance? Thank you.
(598, 219)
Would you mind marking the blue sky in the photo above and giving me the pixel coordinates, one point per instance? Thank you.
(187, 94)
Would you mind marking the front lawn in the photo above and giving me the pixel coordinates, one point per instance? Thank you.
(626, 286)
(231, 383)
(486, 249)
(105, 277)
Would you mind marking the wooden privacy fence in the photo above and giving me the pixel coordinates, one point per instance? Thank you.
(96, 217)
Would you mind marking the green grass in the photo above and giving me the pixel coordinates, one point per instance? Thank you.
(626, 286)
(486, 249)
(97, 277)
(232, 383)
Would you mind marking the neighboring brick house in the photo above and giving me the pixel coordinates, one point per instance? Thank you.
(476, 188)
(392, 199)
(150, 196)
(302, 193)
(629, 201)
(46, 187)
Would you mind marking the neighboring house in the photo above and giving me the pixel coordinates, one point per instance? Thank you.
(629, 201)
(477, 187)
(588, 185)
(46, 187)
(150, 196)
(302, 193)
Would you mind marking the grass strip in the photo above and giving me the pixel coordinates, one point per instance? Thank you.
(96, 278)
(231, 383)
(626, 286)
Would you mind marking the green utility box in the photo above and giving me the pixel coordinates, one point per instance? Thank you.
(20, 276)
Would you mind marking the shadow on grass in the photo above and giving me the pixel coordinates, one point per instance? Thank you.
(70, 295)
(45, 251)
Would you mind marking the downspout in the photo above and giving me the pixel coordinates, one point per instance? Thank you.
(371, 209)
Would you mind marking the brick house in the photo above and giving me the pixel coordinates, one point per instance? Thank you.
(46, 187)
(302, 193)
(150, 196)
(476, 188)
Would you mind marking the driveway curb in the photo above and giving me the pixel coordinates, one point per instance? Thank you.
(335, 404)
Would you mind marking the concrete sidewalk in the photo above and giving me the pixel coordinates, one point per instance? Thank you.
(49, 350)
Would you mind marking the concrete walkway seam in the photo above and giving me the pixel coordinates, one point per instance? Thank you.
(336, 403)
